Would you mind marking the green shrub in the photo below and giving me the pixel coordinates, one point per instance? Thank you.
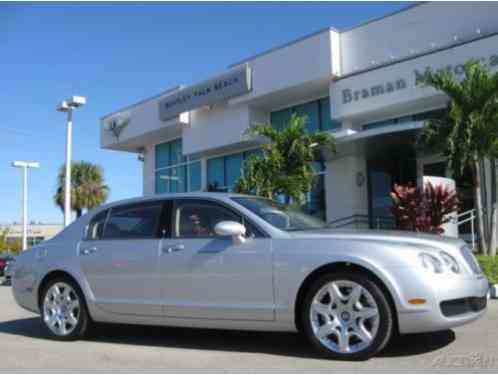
(489, 265)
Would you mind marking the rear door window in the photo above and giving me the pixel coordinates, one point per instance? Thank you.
(136, 221)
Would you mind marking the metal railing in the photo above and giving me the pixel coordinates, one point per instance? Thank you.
(465, 217)
(363, 221)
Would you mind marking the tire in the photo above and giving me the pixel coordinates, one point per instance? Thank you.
(331, 316)
(66, 319)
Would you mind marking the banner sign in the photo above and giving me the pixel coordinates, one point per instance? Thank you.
(221, 88)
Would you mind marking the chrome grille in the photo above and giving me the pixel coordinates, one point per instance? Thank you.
(470, 259)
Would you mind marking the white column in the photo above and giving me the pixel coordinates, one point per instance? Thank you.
(25, 209)
(67, 189)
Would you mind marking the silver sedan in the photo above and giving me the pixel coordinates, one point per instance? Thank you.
(241, 262)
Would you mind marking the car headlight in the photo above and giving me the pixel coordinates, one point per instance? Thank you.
(431, 262)
(449, 261)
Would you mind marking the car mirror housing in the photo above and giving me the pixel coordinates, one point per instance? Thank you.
(233, 229)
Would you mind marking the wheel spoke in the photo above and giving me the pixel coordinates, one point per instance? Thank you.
(354, 296)
(325, 330)
(335, 293)
(61, 309)
(362, 333)
(321, 308)
(343, 341)
(71, 319)
(367, 313)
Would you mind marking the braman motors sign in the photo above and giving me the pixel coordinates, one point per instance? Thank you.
(350, 95)
(221, 88)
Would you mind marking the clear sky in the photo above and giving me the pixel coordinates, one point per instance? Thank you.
(117, 54)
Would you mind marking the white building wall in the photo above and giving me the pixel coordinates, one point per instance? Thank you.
(345, 197)
(420, 28)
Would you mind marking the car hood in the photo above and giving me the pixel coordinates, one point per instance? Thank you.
(388, 236)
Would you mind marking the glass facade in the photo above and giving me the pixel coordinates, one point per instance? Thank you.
(174, 172)
(224, 171)
(317, 114)
(404, 119)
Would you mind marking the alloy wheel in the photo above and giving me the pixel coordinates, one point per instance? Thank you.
(344, 316)
(61, 309)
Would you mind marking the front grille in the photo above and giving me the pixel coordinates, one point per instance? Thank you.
(461, 306)
(470, 259)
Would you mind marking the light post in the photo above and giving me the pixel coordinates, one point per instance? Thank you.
(68, 106)
(25, 165)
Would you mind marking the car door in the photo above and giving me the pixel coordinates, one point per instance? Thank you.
(119, 258)
(208, 276)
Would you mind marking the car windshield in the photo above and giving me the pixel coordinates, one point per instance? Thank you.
(285, 217)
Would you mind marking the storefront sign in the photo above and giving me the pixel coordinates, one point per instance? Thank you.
(349, 95)
(228, 85)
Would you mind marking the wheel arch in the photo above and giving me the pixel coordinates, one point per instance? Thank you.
(54, 274)
(341, 267)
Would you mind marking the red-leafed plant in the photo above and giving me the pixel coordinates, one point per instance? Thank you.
(423, 210)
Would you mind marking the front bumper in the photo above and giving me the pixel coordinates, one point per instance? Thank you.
(456, 300)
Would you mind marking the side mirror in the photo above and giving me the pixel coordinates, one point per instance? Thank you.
(233, 229)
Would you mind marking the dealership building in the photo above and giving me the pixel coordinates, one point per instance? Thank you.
(363, 85)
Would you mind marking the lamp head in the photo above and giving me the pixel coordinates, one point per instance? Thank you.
(62, 106)
(76, 101)
(28, 164)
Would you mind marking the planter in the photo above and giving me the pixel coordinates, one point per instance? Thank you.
(493, 291)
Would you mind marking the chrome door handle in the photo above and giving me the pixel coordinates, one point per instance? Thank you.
(173, 248)
(88, 250)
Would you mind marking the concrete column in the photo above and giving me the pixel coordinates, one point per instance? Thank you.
(149, 184)
(346, 192)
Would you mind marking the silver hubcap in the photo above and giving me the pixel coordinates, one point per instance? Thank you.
(61, 309)
(344, 316)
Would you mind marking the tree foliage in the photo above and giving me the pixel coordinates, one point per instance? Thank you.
(284, 165)
(467, 134)
(88, 189)
(469, 128)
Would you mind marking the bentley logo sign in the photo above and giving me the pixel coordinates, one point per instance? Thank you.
(228, 85)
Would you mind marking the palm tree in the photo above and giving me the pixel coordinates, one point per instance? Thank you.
(468, 134)
(284, 166)
(87, 187)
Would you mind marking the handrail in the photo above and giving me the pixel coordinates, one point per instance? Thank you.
(462, 219)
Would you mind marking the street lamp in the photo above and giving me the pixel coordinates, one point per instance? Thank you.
(25, 165)
(67, 106)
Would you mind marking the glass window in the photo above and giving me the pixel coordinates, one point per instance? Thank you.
(175, 172)
(233, 169)
(311, 113)
(162, 155)
(280, 119)
(197, 219)
(133, 221)
(326, 122)
(280, 215)
(216, 172)
(95, 229)
(194, 175)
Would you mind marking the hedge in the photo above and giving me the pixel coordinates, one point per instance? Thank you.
(489, 265)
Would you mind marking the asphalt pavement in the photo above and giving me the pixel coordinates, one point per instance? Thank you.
(25, 347)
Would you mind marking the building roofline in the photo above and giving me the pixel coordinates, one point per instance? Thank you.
(417, 55)
(270, 50)
(130, 106)
(380, 18)
(281, 46)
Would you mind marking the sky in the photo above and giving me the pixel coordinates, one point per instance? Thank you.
(116, 54)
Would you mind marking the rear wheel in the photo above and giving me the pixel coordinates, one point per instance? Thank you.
(347, 316)
(63, 310)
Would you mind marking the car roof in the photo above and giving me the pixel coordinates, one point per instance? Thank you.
(201, 194)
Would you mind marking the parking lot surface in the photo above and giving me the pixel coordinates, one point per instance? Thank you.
(25, 346)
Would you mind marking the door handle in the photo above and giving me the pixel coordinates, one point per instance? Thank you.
(168, 249)
(88, 250)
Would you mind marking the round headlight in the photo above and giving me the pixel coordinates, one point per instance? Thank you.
(449, 261)
(431, 262)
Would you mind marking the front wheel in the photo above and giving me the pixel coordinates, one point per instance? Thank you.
(63, 310)
(347, 316)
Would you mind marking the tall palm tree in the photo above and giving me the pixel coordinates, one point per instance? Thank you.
(284, 166)
(468, 134)
(87, 187)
